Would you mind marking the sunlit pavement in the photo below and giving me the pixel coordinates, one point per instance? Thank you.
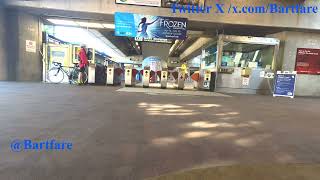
(121, 135)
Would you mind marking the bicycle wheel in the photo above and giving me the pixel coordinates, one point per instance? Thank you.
(55, 75)
(74, 77)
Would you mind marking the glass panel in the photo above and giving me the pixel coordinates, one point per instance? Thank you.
(209, 56)
(247, 55)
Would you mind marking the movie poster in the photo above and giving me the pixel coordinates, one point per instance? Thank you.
(146, 26)
(308, 61)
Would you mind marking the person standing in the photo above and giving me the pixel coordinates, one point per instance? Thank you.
(83, 63)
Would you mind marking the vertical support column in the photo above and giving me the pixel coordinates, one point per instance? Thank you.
(275, 64)
(3, 52)
(24, 39)
(219, 58)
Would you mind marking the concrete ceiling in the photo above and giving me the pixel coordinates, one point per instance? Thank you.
(126, 45)
(209, 27)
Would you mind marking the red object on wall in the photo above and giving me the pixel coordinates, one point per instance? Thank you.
(308, 61)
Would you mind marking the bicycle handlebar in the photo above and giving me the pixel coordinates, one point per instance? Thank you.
(76, 65)
(57, 64)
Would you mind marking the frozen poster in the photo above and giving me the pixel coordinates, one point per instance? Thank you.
(148, 27)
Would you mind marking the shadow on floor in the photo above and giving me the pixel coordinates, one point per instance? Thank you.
(249, 172)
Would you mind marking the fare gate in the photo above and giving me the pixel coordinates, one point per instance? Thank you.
(181, 78)
(146, 77)
(164, 78)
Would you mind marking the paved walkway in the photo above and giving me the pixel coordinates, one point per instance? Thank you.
(158, 91)
(132, 136)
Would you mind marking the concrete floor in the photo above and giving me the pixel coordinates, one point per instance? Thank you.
(132, 136)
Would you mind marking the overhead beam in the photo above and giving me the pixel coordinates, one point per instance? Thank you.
(196, 48)
(107, 8)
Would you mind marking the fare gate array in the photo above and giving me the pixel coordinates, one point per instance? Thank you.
(113, 75)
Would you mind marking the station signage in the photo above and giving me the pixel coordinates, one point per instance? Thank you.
(157, 40)
(156, 3)
(308, 61)
(285, 83)
(148, 27)
(31, 46)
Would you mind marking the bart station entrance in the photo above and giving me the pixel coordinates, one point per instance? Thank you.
(224, 63)
(157, 103)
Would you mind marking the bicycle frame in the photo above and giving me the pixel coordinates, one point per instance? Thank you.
(71, 72)
(67, 72)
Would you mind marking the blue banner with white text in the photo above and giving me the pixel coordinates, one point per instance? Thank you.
(285, 85)
(148, 27)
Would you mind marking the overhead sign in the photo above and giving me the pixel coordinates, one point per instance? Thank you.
(158, 40)
(145, 26)
(308, 61)
(284, 85)
(156, 3)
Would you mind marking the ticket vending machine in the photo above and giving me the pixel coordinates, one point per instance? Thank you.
(164, 78)
(146, 77)
(130, 76)
(91, 71)
(181, 78)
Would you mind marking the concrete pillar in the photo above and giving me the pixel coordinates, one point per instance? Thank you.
(23, 65)
(3, 54)
(307, 85)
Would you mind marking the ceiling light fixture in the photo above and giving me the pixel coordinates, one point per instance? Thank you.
(109, 26)
(94, 25)
(90, 24)
(62, 22)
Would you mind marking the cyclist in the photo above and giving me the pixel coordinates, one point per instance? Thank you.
(83, 62)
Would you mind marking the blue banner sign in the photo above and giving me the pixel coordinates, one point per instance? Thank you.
(146, 27)
(285, 84)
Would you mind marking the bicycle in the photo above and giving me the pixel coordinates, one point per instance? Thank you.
(57, 74)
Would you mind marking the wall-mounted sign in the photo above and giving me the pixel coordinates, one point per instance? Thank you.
(156, 3)
(308, 61)
(31, 46)
(145, 26)
(245, 81)
(284, 84)
(168, 3)
(167, 41)
(269, 75)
